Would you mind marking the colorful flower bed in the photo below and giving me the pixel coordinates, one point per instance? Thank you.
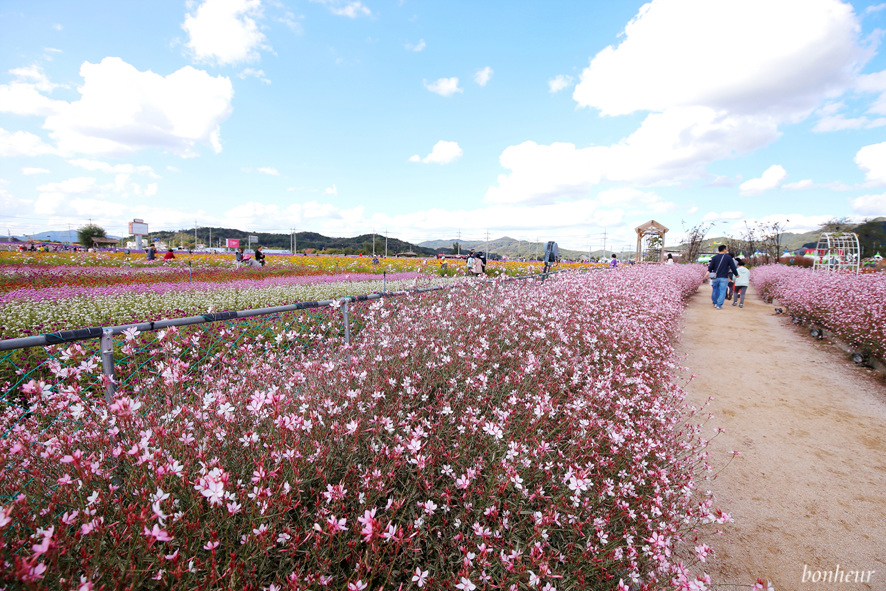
(527, 437)
(852, 307)
(36, 311)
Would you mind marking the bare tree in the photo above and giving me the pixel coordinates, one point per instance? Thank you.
(751, 239)
(694, 239)
(772, 235)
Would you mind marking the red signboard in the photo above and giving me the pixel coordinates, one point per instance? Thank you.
(232, 243)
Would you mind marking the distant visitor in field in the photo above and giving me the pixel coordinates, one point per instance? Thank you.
(259, 256)
(477, 265)
(720, 268)
(238, 255)
(613, 263)
(168, 256)
(151, 253)
(670, 260)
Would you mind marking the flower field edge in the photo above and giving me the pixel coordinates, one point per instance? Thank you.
(529, 438)
(852, 306)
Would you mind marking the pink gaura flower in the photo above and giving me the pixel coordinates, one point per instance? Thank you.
(158, 534)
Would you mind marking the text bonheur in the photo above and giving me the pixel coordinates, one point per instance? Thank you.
(836, 576)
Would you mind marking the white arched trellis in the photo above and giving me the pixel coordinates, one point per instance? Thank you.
(837, 251)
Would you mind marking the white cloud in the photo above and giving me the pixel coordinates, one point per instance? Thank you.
(443, 86)
(872, 160)
(840, 122)
(269, 170)
(874, 205)
(417, 47)
(483, 76)
(22, 143)
(122, 110)
(30, 171)
(225, 31)
(333, 190)
(559, 82)
(96, 165)
(875, 8)
(668, 147)
(635, 200)
(799, 185)
(747, 57)
(726, 215)
(443, 153)
(252, 73)
(74, 185)
(350, 9)
(35, 76)
(772, 178)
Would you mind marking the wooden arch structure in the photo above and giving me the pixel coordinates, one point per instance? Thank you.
(647, 230)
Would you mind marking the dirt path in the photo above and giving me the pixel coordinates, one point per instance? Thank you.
(809, 490)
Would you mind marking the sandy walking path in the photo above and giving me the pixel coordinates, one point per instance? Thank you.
(809, 490)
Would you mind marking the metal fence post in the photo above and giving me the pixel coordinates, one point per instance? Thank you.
(344, 315)
(107, 349)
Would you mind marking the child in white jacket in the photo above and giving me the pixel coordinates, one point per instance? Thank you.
(742, 280)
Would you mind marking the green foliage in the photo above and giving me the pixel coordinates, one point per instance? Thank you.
(86, 233)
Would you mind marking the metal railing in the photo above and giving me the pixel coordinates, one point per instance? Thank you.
(44, 359)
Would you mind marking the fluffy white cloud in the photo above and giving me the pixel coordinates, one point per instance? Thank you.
(443, 153)
(417, 47)
(443, 86)
(772, 178)
(224, 31)
(333, 190)
(668, 147)
(483, 76)
(747, 57)
(30, 171)
(874, 205)
(799, 185)
(22, 143)
(872, 160)
(559, 82)
(348, 8)
(269, 170)
(122, 110)
(74, 185)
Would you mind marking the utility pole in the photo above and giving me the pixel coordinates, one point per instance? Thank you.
(536, 247)
(458, 242)
(487, 243)
(373, 242)
(604, 243)
(195, 234)
(210, 236)
(386, 243)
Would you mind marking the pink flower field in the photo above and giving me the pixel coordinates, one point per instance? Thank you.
(523, 435)
(852, 307)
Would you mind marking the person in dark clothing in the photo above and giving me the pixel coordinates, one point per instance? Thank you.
(720, 267)
(259, 256)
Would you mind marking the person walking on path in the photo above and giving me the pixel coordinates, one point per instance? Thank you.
(720, 267)
(742, 280)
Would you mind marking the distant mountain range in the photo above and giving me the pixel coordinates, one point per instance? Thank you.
(508, 247)
(54, 236)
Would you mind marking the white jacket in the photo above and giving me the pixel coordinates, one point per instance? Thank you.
(743, 279)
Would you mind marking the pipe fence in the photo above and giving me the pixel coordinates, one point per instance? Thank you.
(91, 363)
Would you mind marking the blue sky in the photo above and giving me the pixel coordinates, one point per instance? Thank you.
(538, 120)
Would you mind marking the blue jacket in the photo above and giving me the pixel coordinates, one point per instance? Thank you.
(724, 268)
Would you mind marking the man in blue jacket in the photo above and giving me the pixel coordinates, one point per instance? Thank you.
(720, 267)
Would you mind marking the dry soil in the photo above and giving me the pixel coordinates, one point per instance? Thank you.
(808, 492)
